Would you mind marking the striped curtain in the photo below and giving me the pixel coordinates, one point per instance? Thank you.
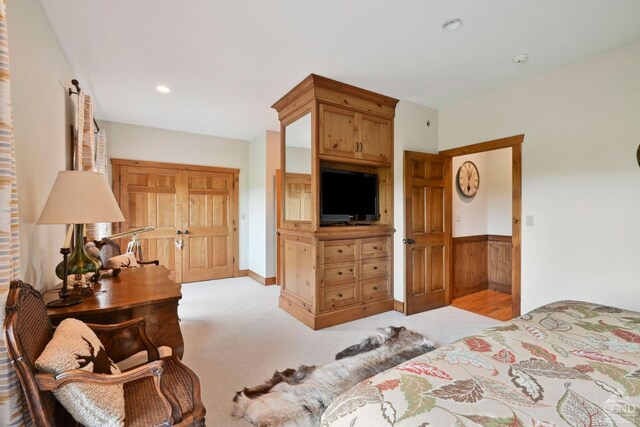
(90, 153)
(11, 397)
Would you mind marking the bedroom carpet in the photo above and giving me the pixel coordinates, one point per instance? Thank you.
(235, 335)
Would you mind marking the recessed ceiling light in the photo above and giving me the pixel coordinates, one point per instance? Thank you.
(163, 89)
(520, 59)
(452, 24)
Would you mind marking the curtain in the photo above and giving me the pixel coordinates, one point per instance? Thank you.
(90, 153)
(11, 397)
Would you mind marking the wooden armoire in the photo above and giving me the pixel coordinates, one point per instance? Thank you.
(331, 274)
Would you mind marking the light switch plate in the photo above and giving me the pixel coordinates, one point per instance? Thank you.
(530, 221)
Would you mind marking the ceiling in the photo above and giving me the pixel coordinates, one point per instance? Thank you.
(227, 61)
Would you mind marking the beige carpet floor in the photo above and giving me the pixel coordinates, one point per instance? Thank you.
(235, 336)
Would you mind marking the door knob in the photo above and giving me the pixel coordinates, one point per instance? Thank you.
(186, 231)
(408, 241)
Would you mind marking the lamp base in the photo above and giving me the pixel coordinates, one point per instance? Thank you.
(65, 302)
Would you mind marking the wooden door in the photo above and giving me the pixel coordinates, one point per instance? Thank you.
(148, 197)
(337, 132)
(427, 186)
(209, 223)
(374, 134)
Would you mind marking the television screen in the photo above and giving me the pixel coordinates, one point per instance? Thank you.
(348, 196)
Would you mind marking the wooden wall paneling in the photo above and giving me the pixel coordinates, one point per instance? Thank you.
(499, 263)
(470, 268)
(481, 262)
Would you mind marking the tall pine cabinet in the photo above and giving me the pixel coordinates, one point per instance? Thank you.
(331, 274)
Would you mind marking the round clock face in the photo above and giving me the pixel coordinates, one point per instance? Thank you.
(468, 179)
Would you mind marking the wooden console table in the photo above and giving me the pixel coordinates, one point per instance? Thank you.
(146, 292)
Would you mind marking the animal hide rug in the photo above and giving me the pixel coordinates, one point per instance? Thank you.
(298, 397)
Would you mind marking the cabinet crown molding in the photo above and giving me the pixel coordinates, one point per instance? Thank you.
(334, 92)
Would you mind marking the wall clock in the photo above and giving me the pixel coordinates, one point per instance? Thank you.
(468, 179)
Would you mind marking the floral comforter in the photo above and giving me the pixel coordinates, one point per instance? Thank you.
(566, 363)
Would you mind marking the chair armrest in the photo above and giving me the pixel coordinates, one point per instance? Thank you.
(139, 323)
(50, 382)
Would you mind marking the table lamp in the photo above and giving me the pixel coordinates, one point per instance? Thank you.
(78, 198)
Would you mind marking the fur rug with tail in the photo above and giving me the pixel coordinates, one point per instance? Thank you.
(299, 397)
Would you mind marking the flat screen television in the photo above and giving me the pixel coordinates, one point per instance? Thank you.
(348, 196)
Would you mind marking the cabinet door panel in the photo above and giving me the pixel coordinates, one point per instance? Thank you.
(337, 132)
(374, 133)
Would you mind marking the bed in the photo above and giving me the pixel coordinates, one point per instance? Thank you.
(566, 363)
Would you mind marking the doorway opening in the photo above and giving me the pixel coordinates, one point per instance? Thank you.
(486, 227)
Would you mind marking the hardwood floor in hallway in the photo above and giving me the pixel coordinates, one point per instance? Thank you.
(496, 305)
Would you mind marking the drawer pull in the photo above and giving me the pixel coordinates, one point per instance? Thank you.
(375, 248)
(351, 270)
(375, 267)
(375, 288)
(339, 295)
(339, 273)
(339, 251)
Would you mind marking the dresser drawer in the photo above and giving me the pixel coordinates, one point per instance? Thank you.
(335, 273)
(338, 296)
(375, 267)
(340, 250)
(375, 289)
(374, 248)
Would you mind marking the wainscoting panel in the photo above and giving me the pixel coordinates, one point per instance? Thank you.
(481, 262)
(469, 265)
(499, 263)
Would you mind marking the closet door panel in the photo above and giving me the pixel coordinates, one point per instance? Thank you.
(208, 226)
(149, 198)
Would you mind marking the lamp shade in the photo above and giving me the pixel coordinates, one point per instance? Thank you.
(80, 197)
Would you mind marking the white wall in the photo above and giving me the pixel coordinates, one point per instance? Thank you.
(489, 211)
(43, 114)
(264, 159)
(500, 197)
(411, 133)
(257, 203)
(144, 143)
(581, 179)
(273, 163)
(470, 214)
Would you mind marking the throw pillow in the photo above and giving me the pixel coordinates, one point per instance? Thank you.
(75, 346)
(127, 260)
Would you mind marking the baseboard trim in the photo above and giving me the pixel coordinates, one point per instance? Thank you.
(398, 306)
(242, 273)
(266, 281)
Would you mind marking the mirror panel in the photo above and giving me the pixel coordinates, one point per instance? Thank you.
(297, 176)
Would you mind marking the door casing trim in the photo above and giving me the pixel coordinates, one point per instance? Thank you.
(515, 143)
